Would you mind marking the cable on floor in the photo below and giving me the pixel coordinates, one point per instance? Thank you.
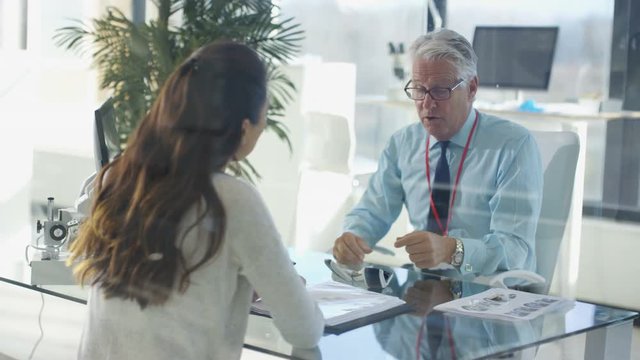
(35, 346)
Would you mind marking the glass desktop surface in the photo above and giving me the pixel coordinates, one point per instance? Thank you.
(441, 336)
(394, 338)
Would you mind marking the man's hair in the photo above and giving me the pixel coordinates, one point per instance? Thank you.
(445, 44)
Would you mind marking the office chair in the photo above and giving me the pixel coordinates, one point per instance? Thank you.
(559, 154)
(329, 142)
(325, 192)
(106, 144)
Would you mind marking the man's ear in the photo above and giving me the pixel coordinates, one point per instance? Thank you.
(473, 87)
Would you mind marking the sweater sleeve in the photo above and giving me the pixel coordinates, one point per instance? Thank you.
(256, 245)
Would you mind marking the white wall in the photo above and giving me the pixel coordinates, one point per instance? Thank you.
(609, 266)
(359, 33)
(281, 170)
(361, 29)
(47, 99)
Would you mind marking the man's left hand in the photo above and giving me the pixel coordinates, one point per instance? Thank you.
(427, 249)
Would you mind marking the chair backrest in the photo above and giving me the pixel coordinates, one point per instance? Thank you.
(325, 180)
(106, 143)
(559, 154)
(329, 143)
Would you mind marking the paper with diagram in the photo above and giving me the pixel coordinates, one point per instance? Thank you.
(506, 304)
(341, 303)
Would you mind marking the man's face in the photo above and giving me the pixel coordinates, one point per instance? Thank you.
(442, 118)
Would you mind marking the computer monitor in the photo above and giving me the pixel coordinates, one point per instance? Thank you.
(515, 57)
(106, 140)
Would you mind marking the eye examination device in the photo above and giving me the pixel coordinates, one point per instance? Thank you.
(53, 237)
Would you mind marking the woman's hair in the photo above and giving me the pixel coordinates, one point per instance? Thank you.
(445, 44)
(129, 245)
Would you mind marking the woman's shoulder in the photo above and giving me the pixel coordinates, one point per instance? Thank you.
(228, 181)
(234, 190)
(244, 207)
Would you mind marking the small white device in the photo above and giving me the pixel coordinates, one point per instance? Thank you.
(370, 277)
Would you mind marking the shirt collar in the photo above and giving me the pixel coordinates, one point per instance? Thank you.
(460, 138)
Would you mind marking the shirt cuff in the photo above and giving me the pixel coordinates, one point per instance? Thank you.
(474, 253)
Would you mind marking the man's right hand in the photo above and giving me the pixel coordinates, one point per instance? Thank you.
(350, 249)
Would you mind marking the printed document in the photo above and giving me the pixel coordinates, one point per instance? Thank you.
(341, 303)
(506, 304)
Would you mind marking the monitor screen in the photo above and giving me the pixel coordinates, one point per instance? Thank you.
(515, 57)
(106, 141)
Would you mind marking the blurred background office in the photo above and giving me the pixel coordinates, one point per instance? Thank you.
(349, 76)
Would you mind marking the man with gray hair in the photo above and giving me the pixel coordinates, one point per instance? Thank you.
(471, 182)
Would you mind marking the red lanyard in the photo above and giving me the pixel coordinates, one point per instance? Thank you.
(445, 229)
(447, 327)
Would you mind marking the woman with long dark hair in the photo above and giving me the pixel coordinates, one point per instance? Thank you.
(173, 247)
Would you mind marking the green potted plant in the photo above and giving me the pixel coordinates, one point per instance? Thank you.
(134, 59)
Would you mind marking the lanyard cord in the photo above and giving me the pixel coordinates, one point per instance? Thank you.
(445, 229)
(447, 327)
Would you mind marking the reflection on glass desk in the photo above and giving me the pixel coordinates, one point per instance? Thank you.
(427, 334)
(444, 335)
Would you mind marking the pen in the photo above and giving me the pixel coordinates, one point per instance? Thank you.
(382, 250)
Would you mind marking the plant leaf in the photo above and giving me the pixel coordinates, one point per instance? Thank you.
(134, 60)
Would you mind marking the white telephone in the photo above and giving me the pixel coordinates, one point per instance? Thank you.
(498, 279)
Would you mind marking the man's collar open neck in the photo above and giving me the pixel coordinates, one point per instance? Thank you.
(460, 137)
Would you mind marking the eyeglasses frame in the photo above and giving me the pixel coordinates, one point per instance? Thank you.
(428, 91)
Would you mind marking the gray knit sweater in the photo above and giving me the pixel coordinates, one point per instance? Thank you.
(209, 320)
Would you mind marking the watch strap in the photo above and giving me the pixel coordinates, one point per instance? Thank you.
(458, 254)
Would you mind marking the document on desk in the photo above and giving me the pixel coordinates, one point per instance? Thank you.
(506, 304)
(342, 304)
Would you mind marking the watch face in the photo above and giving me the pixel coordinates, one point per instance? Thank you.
(456, 259)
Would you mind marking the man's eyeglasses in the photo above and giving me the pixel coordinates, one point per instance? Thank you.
(418, 92)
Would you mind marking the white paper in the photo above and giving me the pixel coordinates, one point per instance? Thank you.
(342, 303)
(505, 304)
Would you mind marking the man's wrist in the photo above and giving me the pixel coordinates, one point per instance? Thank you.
(455, 287)
(458, 253)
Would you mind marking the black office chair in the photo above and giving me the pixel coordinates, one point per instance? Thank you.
(106, 141)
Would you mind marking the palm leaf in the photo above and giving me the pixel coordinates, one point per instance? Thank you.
(134, 60)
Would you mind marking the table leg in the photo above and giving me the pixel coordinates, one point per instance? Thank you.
(611, 342)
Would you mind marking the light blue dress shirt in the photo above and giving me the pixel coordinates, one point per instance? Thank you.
(498, 198)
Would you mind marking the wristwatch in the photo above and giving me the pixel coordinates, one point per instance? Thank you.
(455, 286)
(458, 254)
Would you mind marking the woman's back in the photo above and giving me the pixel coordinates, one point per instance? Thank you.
(209, 320)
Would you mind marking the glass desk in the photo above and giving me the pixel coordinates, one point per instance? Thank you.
(423, 333)
(447, 336)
